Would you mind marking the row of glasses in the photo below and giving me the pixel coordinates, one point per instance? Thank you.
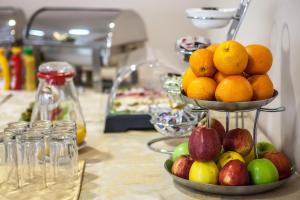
(43, 155)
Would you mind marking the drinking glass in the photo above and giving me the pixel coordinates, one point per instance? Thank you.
(20, 124)
(31, 161)
(16, 128)
(8, 163)
(65, 125)
(63, 158)
(42, 124)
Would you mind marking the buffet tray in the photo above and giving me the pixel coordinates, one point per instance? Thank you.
(126, 122)
(226, 190)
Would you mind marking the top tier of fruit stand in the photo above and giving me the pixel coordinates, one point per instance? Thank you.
(212, 17)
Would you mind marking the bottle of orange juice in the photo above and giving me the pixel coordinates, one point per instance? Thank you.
(5, 84)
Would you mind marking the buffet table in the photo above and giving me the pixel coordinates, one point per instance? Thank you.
(120, 166)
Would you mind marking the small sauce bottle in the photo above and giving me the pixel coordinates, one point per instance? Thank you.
(5, 71)
(16, 63)
(30, 69)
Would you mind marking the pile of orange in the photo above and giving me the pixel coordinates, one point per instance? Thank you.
(229, 72)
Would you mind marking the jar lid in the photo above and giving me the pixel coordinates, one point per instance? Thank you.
(55, 73)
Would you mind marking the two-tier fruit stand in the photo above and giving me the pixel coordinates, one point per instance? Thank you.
(204, 107)
(208, 106)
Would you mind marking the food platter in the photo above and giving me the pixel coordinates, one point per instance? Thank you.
(226, 190)
(228, 106)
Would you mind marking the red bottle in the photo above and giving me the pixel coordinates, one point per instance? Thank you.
(16, 63)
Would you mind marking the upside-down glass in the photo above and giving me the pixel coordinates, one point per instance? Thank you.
(20, 125)
(64, 125)
(63, 158)
(16, 128)
(42, 124)
(31, 161)
(8, 163)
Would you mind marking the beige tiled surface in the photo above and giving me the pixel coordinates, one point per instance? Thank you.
(120, 166)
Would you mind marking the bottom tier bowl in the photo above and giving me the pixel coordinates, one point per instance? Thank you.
(226, 190)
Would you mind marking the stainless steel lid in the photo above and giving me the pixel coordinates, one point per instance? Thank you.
(96, 28)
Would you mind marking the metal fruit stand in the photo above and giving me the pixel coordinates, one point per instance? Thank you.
(203, 108)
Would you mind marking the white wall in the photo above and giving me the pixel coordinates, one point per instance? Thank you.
(285, 41)
(166, 20)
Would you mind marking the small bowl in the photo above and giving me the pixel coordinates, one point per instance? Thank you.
(173, 123)
(208, 18)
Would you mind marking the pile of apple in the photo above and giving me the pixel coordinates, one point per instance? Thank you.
(212, 156)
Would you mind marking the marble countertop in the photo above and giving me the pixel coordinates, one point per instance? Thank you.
(119, 166)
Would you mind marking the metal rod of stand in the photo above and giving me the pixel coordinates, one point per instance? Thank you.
(255, 132)
(208, 119)
(243, 122)
(236, 119)
(227, 121)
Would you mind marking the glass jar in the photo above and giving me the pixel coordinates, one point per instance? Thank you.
(56, 97)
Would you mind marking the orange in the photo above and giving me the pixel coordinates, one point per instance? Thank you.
(231, 58)
(201, 62)
(234, 89)
(260, 59)
(212, 47)
(219, 76)
(187, 78)
(262, 87)
(202, 88)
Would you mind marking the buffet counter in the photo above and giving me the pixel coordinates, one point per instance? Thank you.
(120, 166)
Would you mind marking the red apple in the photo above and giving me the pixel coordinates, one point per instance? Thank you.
(238, 140)
(219, 128)
(216, 124)
(281, 162)
(181, 166)
(204, 144)
(234, 173)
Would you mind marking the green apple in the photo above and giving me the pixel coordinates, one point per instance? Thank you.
(228, 156)
(180, 150)
(204, 172)
(263, 147)
(262, 171)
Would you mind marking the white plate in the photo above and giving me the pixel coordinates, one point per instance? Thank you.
(207, 18)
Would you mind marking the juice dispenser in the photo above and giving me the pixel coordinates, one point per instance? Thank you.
(56, 97)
